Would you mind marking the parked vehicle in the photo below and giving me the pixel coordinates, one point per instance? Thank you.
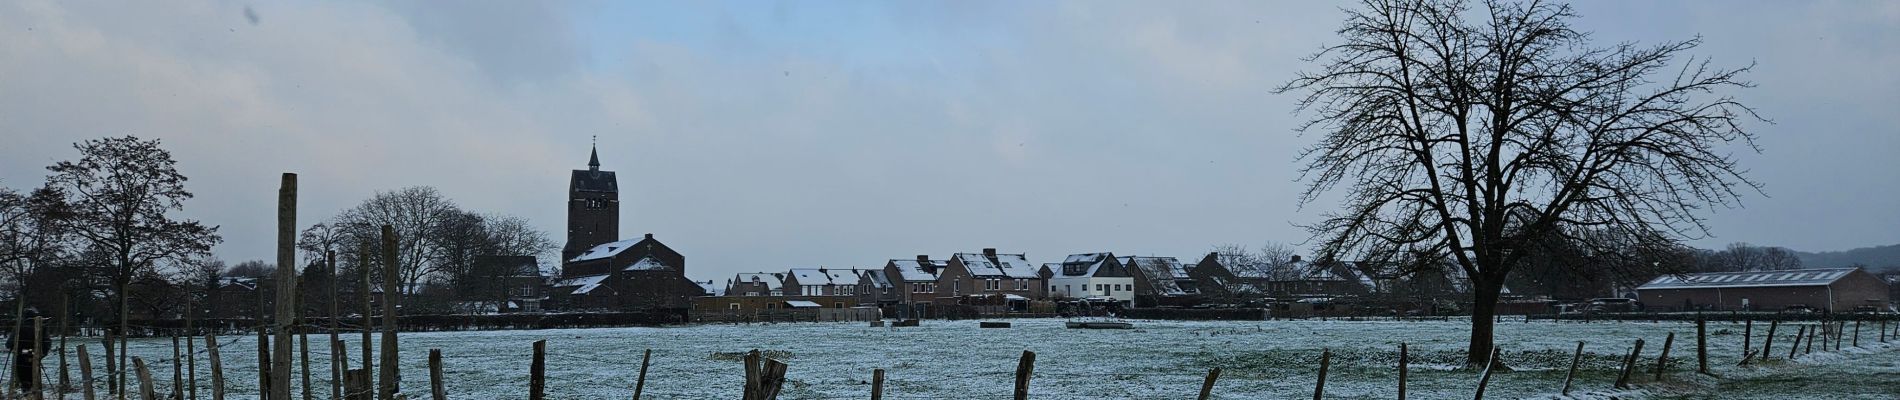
(1613, 304)
(1798, 309)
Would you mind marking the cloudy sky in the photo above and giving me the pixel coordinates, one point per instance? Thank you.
(760, 135)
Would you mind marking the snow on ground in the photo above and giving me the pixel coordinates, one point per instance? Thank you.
(1160, 359)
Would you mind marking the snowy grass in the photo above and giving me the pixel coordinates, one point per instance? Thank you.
(1160, 359)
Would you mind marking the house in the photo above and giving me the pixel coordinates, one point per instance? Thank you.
(1090, 275)
(822, 281)
(875, 288)
(1824, 289)
(646, 283)
(1162, 281)
(604, 258)
(989, 274)
(756, 284)
(915, 283)
(509, 284)
(1233, 281)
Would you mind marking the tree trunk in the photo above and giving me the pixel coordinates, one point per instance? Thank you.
(1484, 310)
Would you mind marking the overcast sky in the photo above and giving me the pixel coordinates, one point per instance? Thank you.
(760, 136)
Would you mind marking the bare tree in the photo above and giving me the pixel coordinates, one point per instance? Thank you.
(416, 213)
(1469, 132)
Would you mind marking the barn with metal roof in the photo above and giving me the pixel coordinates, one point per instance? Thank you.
(1826, 290)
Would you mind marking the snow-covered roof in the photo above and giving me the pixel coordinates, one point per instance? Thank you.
(711, 288)
(1161, 272)
(1086, 264)
(1798, 277)
(772, 281)
(914, 271)
(582, 284)
(605, 250)
(647, 264)
(1006, 265)
(801, 304)
(878, 279)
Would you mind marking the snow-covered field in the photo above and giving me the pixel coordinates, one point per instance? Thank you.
(1160, 359)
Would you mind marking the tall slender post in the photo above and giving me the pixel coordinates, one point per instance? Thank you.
(1702, 345)
(436, 390)
(178, 373)
(303, 346)
(391, 378)
(336, 374)
(1025, 368)
(286, 287)
(65, 315)
(751, 375)
(264, 366)
(1662, 362)
(145, 379)
(1485, 380)
(217, 367)
(1405, 358)
(537, 371)
(38, 385)
(877, 385)
(1572, 375)
(1748, 329)
(1768, 342)
(340, 358)
(369, 323)
(1207, 385)
(640, 385)
(1629, 364)
(191, 355)
(1325, 360)
(112, 367)
(1799, 333)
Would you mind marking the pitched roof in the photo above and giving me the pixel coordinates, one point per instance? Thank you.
(877, 277)
(594, 181)
(712, 289)
(605, 250)
(1163, 273)
(582, 284)
(1006, 265)
(913, 271)
(772, 281)
(647, 264)
(1085, 264)
(1797, 277)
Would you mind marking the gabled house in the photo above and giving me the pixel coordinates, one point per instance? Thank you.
(644, 283)
(1162, 281)
(989, 274)
(756, 284)
(875, 288)
(608, 257)
(1090, 276)
(915, 280)
(822, 281)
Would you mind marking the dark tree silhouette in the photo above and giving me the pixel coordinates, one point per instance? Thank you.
(1470, 131)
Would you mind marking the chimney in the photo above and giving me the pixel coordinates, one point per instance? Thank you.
(649, 236)
(989, 252)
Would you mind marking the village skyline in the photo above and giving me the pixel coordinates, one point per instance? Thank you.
(929, 129)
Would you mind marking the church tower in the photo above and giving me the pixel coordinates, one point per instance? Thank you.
(593, 208)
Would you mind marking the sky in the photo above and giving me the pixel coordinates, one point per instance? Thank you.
(760, 136)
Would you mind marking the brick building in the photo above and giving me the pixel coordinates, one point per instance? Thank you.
(1826, 290)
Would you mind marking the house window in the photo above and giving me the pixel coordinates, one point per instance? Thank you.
(837, 305)
(733, 306)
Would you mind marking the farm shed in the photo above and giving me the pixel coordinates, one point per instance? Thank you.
(1829, 290)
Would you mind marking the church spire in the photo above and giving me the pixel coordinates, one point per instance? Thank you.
(593, 156)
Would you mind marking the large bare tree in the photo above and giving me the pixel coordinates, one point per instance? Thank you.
(1473, 131)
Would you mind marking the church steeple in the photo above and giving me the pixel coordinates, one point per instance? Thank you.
(593, 156)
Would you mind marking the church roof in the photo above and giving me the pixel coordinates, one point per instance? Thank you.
(594, 181)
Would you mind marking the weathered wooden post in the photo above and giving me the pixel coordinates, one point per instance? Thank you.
(85, 373)
(112, 366)
(340, 359)
(877, 385)
(1748, 329)
(773, 379)
(1485, 379)
(36, 388)
(1405, 358)
(356, 384)
(751, 375)
(264, 372)
(1840, 333)
(1857, 333)
(1702, 345)
(145, 380)
(217, 367)
(1768, 342)
(369, 322)
(303, 346)
(286, 304)
(1796, 347)
(191, 355)
(1025, 367)
(390, 380)
(336, 374)
(537, 382)
(1629, 364)
(1207, 385)
(1810, 341)
(178, 373)
(65, 383)
(1572, 375)
(1662, 362)
(640, 384)
(436, 390)
(1325, 360)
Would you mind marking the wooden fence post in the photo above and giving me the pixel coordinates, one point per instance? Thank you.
(1572, 375)
(1629, 364)
(773, 379)
(1798, 335)
(640, 384)
(85, 373)
(1857, 333)
(1405, 358)
(537, 382)
(191, 361)
(303, 345)
(336, 375)
(1662, 362)
(1810, 341)
(37, 389)
(263, 363)
(1207, 385)
(145, 380)
(751, 375)
(1325, 360)
(1840, 333)
(112, 367)
(1702, 345)
(877, 385)
(217, 367)
(65, 382)
(369, 319)
(178, 374)
(357, 384)
(1485, 380)
(340, 360)
(390, 381)
(435, 376)
(286, 304)
(1768, 342)
(1748, 329)
(1024, 368)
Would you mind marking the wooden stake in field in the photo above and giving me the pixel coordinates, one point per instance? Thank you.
(1810, 341)
(191, 355)
(286, 287)
(178, 375)
(85, 373)
(1768, 342)
(217, 367)
(1840, 331)
(340, 358)
(1325, 360)
(391, 378)
(145, 380)
(1572, 375)
(1798, 335)
(362, 262)
(1857, 333)
(65, 315)
(336, 374)
(1748, 329)
(436, 390)
(640, 384)
(1662, 362)
(264, 372)
(112, 370)
(1207, 385)
(1629, 364)
(1025, 367)
(1702, 345)
(1405, 357)
(303, 346)
(38, 385)
(1485, 379)
(537, 369)
(877, 385)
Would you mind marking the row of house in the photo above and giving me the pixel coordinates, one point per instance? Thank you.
(916, 286)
